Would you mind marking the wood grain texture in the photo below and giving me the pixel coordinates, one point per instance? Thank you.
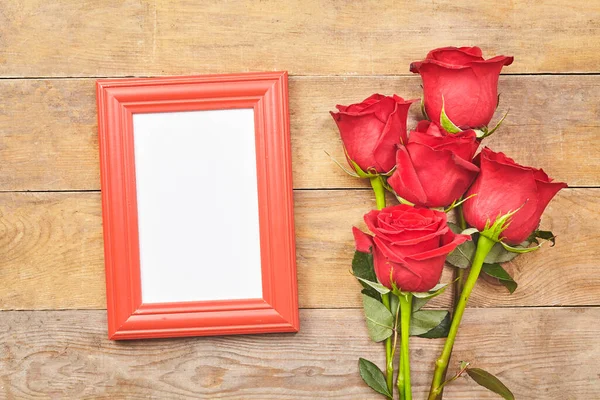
(48, 134)
(147, 37)
(548, 354)
(51, 254)
(553, 123)
(51, 249)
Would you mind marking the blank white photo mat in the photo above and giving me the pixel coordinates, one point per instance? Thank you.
(197, 205)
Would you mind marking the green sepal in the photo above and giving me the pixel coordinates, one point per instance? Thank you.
(446, 123)
(435, 291)
(373, 377)
(520, 250)
(495, 128)
(481, 133)
(490, 382)
(403, 201)
(392, 191)
(496, 271)
(379, 319)
(425, 321)
(457, 203)
(371, 173)
(360, 172)
(493, 231)
(346, 170)
(423, 110)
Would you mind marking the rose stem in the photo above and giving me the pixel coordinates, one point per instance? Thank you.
(459, 278)
(484, 245)
(379, 190)
(460, 271)
(400, 382)
(405, 315)
(389, 352)
(377, 185)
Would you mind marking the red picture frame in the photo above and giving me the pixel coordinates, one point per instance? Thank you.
(267, 94)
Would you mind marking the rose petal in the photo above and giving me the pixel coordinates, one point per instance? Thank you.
(405, 180)
(364, 242)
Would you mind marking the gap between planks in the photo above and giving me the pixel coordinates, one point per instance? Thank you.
(300, 76)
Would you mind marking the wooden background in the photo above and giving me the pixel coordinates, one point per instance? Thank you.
(543, 341)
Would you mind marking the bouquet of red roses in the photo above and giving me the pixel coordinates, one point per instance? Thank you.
(432, 170)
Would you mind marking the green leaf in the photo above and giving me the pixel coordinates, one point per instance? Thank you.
(462, 255)
(418, 303)
(373, 377)
(496, 271)
(425, 320)
(499, 254)
(469, 231)
(545, 235)
(490, 382)
(454, 228)
(379, 319)
(371, 293)
(375, 285)
(362, 266)
(446, 123)
(440, 331)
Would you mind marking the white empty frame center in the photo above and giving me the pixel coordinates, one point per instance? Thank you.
(197, 205)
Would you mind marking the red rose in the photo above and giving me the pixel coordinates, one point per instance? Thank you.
(435, 167)
(410, 245)
(371, 130)
(503, 186)
(467, 82)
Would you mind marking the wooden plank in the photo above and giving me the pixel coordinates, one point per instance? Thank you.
(41, 38)
(48, 137)
(538, 353)
(553, 123)
(51, 254)
(562, 275)
(51, 250)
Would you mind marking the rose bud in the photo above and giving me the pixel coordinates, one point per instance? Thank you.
(434, 169)
(504, 186)
(409, 246)
(461, 80)
(371, 130)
